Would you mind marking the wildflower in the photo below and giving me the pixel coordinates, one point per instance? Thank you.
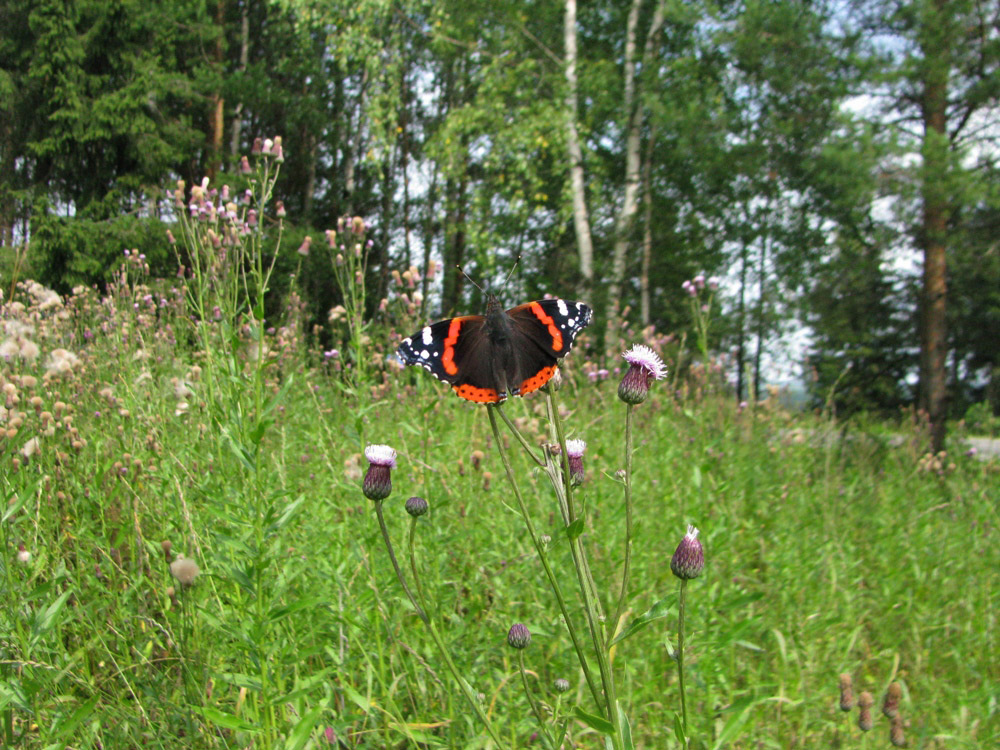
(846, 692)
(23, 556)
(518, 636)
(331, 238)
(713, 283)
(699, 281)
(890, 705)
(689, 557)
(561, 685)
(358, 225)
(304, 247)
(574, 452)
(644, 365)
(865, 703)
(416, 506)
(258, 146)
(279, 209)
(268, 143)
(378, 481)
(166, 545)
(690, 288)
(185, 570)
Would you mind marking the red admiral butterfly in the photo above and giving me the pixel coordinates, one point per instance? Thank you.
(485, 358)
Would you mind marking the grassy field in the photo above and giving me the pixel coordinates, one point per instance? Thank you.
(824, 555)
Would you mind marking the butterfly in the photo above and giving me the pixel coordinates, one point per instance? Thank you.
(512, 352)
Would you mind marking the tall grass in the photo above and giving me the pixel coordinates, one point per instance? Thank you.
(243, 449)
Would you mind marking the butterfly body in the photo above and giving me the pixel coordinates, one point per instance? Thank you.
(485, 358)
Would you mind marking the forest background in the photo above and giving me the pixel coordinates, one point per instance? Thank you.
(834, 163)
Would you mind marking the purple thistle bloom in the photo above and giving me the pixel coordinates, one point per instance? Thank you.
(644, 365)
(574, 452)
(689, 558)
(378, 480)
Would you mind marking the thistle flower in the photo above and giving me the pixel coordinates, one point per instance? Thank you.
(378, 481)
(416, 506)
(185, 570)
(846, 692)
(865, 703)
(890, 704)
(245, 166)
(518, 636)
(23, 555)
(304, 247)
(689, 557)
(644, 365)
(574, 452)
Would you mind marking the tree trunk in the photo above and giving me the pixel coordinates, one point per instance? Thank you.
(741, 318)
(581, 218)
(237, 125)
(217, 123)
(647, 234)
(934, 194)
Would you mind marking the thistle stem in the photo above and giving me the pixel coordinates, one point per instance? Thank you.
(438, 640)
(680, 654)
(627, 564)
(534, 705)
(553, 582)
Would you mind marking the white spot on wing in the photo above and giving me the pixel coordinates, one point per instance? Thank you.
(426, 336)
(424, 354)
(562, 307)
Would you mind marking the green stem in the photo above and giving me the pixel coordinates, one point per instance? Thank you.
(627, 564)
(531, 700)
(543, 557)
(520, 438)
(413, 562)
(680, 654)
(438, 640)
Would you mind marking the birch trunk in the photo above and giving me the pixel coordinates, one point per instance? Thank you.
(581, 218)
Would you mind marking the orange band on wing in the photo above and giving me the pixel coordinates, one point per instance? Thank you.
(448, 355)
(479, 395)
(554, 332)
(537, 381)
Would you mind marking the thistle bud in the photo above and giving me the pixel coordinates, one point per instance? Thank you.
(689, 557)
(166, 545)
(574, 452)
(416, 506)
(518, 636)
(896, 736)
(561, 685)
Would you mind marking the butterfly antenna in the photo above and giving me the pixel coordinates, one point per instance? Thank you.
(470, 279)
(511, 271)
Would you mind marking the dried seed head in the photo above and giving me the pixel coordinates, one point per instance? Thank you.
(896, 736)
(518, 636)
(890, 704)
(846, 692)
(865, 703)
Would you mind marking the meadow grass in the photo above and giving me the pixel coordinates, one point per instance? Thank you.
(824, 556)
(163, 420)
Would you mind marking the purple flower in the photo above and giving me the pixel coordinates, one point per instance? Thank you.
(378, 481)
(574, 452)
(689, 557)
(644, 365)
(518, 636)
(713, 282)
(699, 281)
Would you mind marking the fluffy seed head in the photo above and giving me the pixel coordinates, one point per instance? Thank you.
(689, 557)
(185, 570)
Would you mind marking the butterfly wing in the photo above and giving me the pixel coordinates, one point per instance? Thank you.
(544, 333)
(456, 351)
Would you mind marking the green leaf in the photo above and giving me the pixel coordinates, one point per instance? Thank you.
(66, 728)
(594, 722)
(659, 610)
(626, 727)
(741, 712)
(575, 529)
(300, 734)
(696, 477)
(224, 720)
(44, 621)
(679, 730)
